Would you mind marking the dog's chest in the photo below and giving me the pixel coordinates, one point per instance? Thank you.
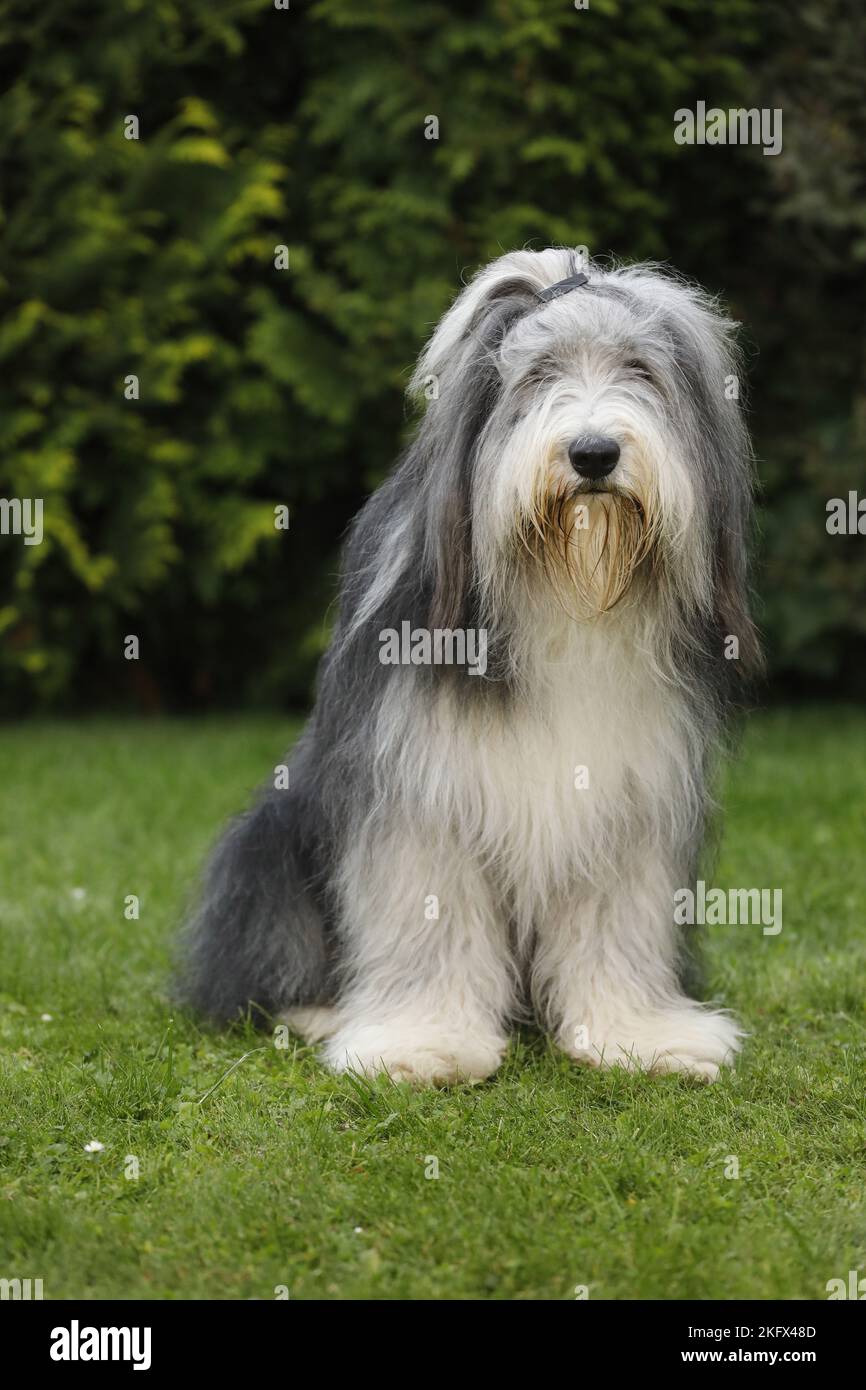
(549, 780)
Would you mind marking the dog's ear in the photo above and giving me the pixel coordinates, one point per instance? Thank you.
(731, 615)
(709, 362)
(731, 495)
(515, 280)
(458, 376)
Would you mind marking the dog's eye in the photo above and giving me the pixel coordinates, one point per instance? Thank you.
(541, 370)
(638, 368)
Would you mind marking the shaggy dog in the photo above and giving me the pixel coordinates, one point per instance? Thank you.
(543, 630)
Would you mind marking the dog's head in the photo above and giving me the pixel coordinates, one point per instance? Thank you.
(583, 428)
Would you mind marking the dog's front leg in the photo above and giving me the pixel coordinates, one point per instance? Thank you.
(605, 979)
(428, 984)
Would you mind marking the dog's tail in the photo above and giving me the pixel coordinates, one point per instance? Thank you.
(257, 942)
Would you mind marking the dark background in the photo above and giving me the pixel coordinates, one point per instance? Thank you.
(305, 127)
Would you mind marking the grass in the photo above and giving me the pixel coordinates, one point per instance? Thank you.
(256, 1170)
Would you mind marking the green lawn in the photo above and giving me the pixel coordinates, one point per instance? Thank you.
(258, 1170)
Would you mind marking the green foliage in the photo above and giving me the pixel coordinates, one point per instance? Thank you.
(258, 386)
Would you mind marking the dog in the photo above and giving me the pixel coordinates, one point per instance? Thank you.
(462, 845)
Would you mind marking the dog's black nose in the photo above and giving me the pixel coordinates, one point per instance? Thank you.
(593, 456)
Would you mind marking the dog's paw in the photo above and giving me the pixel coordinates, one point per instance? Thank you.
(409, 1052)
(693, 1040)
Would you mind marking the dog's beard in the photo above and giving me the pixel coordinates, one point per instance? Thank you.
(591, 544)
